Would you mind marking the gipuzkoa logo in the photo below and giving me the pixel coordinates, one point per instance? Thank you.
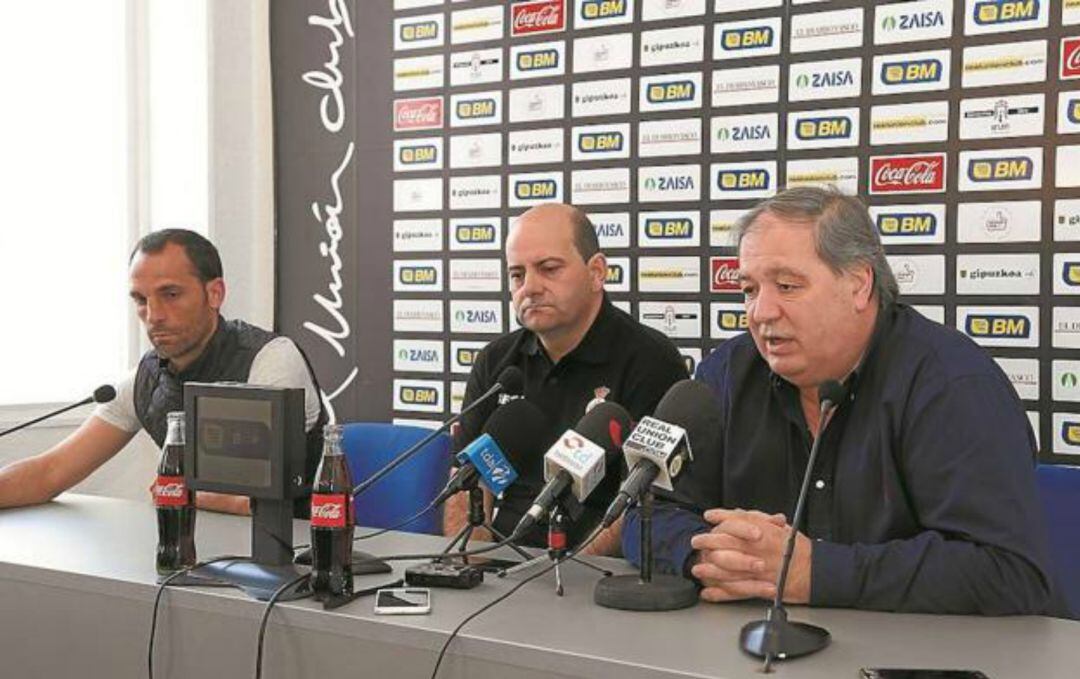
(466, 356)
(669, 229)
(616, 274)
(475, 233)
(535, 189)
(724, 274)
(1010, 168)
(592, 10)
(732, 320)
(1011, 326)
(990, 12)
(907, 224)
(600, 142)
(755, 37)
(674, 91)
(418, 275)
(418, 114)
(915, 20)
(822, 128)
(538, 60)
(743, 179)
(1070, 273)
(1070, 58)
(421, 154)
(911, 72)
(528, 18)
(421, 30)
(907, 174)
(418, 395)
(475, 109)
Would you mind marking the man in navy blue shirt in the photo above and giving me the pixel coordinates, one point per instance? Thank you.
(923, 497)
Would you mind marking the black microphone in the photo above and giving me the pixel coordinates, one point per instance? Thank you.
(578, 462)
(776, 637)
(661, 445)
(102, 394)
(511, 381)
(513, 436)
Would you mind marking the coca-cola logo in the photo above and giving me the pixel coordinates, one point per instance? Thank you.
(907, 174)
(418, 114)
(329, 510)
(169, 491)
(1070, 58)
(725, 274)
(547, 16)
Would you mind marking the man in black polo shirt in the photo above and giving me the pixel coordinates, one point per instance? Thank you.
(574, 347)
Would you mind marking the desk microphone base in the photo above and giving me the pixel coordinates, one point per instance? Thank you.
(631, 593)
(777, 638)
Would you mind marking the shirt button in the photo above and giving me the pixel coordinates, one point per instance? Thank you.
(819, 484)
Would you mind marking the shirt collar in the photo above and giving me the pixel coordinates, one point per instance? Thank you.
(594, 347)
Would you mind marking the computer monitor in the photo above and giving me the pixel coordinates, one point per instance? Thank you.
(249, 440)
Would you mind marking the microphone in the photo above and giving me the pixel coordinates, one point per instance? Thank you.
(578, 461)
(776, 637)
(511, 381)
(513, 435)
(102, 394)
(659, 447)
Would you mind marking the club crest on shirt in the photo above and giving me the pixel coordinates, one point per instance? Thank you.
(600, 394)
(506, 398)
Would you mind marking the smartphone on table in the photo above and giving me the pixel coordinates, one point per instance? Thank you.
(403, 601)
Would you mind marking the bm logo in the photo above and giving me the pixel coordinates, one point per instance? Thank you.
(1072, 111)
(829, 127)
(535, 189)
(666, 93)
(419, 395)
(732, 320)
(418, 275)
(1013, 168)
(422, 30)
(907, 224)
(475, 233)
(418, 155)
(1005, 11)
(999, 326)
(603, 9)
(1070, 273)
(1070, 433)
(600, 142)
(742, 180)
(616, 274)
(914, 72)
(669, 229)
(747, 38)
(466, 357)
(476, 108)
(538, 61)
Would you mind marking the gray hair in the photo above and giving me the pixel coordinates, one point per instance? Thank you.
(845, 235)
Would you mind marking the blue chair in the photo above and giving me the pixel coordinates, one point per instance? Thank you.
(1059, 490)
(369, 446)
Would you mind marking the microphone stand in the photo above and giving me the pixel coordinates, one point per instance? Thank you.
(557, 549)
(776, 637)
(478, 519)
(61, 411)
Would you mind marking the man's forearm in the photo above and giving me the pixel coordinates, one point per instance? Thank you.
(673, 527)
(219, 502)
(25, 482)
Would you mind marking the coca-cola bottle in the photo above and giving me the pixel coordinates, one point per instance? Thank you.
(332, 520)
(175, 503)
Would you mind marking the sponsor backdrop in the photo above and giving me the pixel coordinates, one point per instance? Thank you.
(410, 133)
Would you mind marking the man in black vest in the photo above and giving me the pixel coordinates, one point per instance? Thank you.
(177, 287)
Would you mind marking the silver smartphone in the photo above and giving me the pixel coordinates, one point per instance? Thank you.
(403, 601)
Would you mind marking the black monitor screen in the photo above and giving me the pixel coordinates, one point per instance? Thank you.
(233, 441)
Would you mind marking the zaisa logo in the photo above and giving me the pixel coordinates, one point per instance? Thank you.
(915, 20)
(744, 133)
(826, 79)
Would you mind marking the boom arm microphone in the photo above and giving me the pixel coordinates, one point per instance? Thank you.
(776, 637)
(511, 381)
(102, 394)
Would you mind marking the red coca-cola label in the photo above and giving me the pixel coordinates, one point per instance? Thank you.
(908, 174)
(1070, 58)
(425, 113)
(330, 510)
(725, 274)
(169, 491)
(528, 18)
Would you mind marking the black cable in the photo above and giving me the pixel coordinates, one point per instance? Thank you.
(266, 616)
(382, 531)
(157, 601)
(550, 567)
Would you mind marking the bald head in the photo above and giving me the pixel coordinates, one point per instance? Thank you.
(561, 216)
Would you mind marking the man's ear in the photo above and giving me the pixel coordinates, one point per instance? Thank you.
(215, 293)
(597, 266)
(862, 286)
